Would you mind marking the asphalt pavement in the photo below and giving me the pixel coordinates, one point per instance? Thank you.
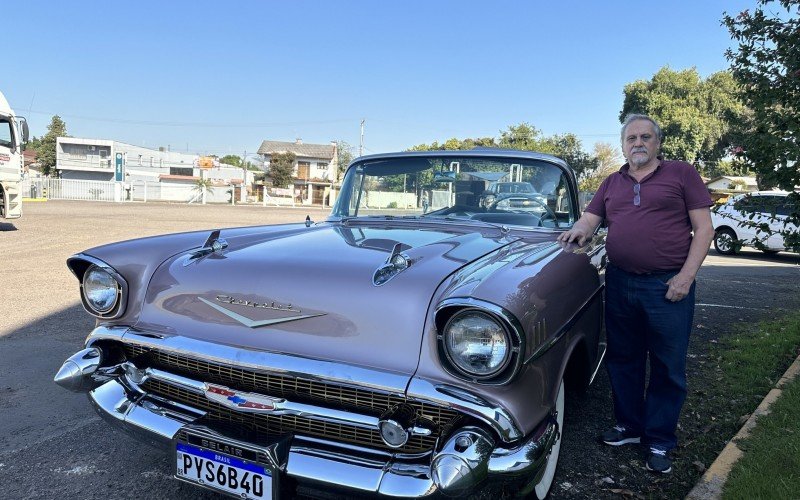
(52, 444)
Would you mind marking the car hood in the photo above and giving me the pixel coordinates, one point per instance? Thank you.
(311, 293)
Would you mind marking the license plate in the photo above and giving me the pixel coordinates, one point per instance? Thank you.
(222, 472)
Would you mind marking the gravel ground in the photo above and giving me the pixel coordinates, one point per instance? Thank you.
(52, 445)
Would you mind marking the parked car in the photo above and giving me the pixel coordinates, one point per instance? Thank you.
(742, 220)
(383, 352)
(513, 195)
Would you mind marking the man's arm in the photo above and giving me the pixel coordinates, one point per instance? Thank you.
(703, 234)
(583, 229)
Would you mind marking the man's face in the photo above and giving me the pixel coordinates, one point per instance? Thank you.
(640, 143)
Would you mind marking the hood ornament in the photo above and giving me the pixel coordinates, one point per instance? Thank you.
(252, 323)
(213, 244)
(395, 264)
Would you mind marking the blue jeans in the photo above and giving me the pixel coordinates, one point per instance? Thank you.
(640, 322)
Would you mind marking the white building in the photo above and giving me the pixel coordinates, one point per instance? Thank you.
(315, 167)
(94, 159)
(732, 183)
(166, 175)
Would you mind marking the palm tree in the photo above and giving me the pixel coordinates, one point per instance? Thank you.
(202, 186)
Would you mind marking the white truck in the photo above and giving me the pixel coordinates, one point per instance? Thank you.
(13, 136)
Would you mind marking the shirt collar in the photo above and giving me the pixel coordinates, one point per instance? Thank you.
(626, 168)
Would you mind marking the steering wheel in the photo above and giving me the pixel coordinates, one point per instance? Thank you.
(548, 211)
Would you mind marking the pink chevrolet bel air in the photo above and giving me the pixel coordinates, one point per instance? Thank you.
(415, 344)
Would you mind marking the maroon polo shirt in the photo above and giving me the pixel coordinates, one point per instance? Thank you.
(656, 235)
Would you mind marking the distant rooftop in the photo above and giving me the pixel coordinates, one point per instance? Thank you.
(325, 151)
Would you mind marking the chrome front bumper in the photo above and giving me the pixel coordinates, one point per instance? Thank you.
(468, 461)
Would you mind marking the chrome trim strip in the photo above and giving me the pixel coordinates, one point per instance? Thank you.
(565, 328)
(281, 364)
(281, 407)
(460, 400)
(599, 362)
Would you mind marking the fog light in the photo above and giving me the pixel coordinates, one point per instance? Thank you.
(393, 434)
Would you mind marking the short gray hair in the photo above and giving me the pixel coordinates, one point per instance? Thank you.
(632, 117)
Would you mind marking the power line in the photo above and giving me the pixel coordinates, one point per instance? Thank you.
(193, 124)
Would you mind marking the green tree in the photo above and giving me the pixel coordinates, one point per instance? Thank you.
(344, 155)
(456, 144)
(569, 148)
(46, 154)
(608, 160)
(231, 160)
(524, 137)
(766, 64)
(281, 168)
(698, 117)
(34, 144)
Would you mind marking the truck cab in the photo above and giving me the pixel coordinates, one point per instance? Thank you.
(13, 136)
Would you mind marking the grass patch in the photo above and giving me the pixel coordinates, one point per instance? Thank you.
(752, 361)
(729, 375)
(770, 467)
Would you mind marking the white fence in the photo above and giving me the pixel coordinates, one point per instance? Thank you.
(69, 189)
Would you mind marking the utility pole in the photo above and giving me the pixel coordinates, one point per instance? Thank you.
(244, 178)
(361, 144)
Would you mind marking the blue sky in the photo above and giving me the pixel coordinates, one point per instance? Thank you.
(220, 77)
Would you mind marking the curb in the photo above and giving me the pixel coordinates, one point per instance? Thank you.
(26, 200)
(710, 484)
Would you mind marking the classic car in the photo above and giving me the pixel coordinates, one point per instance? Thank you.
(513, 196)
(746, 219)
(382, 352)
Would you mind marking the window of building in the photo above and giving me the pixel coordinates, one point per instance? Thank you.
(303, 169)
(180, 171)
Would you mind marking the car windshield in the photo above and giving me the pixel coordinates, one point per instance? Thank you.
(509, 191)
(512, 187)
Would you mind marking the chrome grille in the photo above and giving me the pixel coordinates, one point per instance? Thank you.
(282, 424)
(441, 419)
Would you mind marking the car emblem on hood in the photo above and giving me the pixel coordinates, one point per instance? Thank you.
(252, 323)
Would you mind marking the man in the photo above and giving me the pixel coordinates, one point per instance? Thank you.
(651, 207)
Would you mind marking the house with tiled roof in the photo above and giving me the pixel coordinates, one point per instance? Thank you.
(314, 170)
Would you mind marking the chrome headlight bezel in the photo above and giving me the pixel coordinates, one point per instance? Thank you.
(90, 266)
(452, 310)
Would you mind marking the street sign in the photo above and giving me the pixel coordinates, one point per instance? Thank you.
(118, 167)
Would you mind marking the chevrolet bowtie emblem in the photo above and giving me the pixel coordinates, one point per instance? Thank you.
(255, 323)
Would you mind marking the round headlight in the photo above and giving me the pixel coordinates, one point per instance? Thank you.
(100, 290)
(477, 344)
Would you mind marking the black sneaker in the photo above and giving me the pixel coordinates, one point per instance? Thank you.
(658, 461)
(619, 435)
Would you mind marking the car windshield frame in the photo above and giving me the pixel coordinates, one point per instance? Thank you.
(448, 186)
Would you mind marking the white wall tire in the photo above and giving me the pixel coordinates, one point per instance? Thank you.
(542, 488)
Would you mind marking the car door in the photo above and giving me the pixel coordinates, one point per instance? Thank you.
(782, 211)
(744, 217)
